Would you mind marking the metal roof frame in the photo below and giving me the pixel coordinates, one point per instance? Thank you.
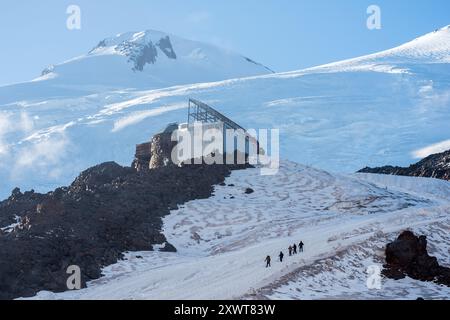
(199, 111)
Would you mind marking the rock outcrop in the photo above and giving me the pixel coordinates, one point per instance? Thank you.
(435, 166)
(161, 149)
(146, 52)
(408, 256)
(156, 153)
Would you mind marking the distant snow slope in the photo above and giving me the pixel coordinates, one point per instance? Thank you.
(343, 117)
(432, 48)
(222, 241)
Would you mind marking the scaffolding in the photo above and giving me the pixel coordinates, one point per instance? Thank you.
(201, 112)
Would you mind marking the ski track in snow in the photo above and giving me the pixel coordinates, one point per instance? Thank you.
(343, 220)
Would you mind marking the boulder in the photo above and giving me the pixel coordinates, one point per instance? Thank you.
(249, 191)
(408, 256)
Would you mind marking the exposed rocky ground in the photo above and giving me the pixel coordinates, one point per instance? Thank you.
(408, 256)
(434, 166)
(107, 210)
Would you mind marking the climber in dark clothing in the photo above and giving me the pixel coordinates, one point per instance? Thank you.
(300, 246)
(281, 255)
(268, 261)
(290, 250)
(295, 248)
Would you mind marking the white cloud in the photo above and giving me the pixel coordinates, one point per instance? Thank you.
(43, 153)
(5, 125)
(4, 147)
(25, 124)
(432, 99)
(432, 149)
(40, 158)
(9, 124)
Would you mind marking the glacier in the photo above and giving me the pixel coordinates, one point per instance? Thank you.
(369, 111)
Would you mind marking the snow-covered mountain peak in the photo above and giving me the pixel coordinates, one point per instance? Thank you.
(140, 47)
(152, 59)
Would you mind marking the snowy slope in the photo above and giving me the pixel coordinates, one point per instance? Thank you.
(344, 275)
(336, 118)
(222, 241)
(432, 48)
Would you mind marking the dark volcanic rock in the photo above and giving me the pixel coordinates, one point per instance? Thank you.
(166, 46)
(142, 157)
(106, 211)
(408, 256)
(23, 203)
(249, 191)
(435, 166)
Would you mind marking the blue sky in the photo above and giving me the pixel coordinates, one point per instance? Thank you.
(283, 34)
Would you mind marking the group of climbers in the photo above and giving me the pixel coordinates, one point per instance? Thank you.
(292, 251)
